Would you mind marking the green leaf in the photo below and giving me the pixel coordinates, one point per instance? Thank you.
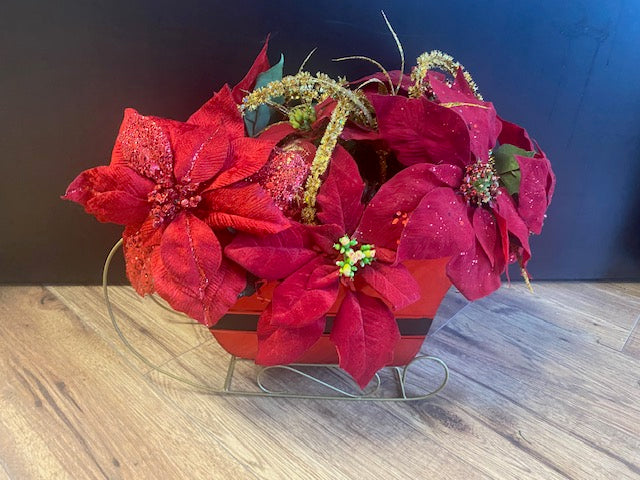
(257, 120)
(507, 166)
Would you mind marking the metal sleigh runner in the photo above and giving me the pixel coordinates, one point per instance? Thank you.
(312, 222)
(347, 389)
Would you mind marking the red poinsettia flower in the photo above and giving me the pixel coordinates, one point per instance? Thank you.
(365, 282)
(172, 184)
(537, 180)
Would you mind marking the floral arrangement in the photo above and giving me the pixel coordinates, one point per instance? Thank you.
(328, 188)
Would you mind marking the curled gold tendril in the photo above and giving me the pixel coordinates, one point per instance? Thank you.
(442, 61)
(322, 158)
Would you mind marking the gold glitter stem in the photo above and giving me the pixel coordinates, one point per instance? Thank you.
(462, 104)
(526, 278)
(442, 61)
(322, 158)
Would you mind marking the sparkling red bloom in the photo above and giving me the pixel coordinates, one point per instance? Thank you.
(304, 259)
(174, 185)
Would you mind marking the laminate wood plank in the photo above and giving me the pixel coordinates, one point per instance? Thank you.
(71, 407)
(606, 310)
(586, 389)
(161, 335)
(349, 437)
(632, 344)
(307, 439)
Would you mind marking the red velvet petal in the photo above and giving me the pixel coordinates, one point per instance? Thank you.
(484, 226)
(510, 222)
(515, 135)
(277, 132)
(139, 242)
(532, 197)
(481, 120)
(189, 274)
(438, 227)
(112, 194)
(365, 334)
(418, 130)
(247, 156)
(472, 273)
(395, 284)
(339, 199)
(295, 304)
(271, 257)
(191, 253)
(325, 236)
(248, 83)
(220, 111)
(200, 154)
(144, 144)
(245, 207)
(278, 345)
(387, 212)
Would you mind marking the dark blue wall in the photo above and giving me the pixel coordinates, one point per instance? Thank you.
(567, 71)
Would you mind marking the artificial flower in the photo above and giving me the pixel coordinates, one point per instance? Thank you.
(331, 264)
(173, 185)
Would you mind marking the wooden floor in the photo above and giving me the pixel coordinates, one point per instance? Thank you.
(542, 386)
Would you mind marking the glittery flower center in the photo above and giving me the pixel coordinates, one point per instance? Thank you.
(480, 184)
(352, 258)
(169, 200)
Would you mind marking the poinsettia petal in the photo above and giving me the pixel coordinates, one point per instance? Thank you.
(246, 157)
(472, 273)
(394, 283)
(200, 154)
(339, 199)
(479, 116)
(484, 226)
(245, 207)
(276, 132)
(515, 135)
(438, 227)
(387, 212)
(144, 144)
(247, 84)
(279, 345)
(139, 242)
(532, 196)
(112, 194)
(220, 111)
(295, 304)
(325, 237)
(418, 130)
(324, 276)
(271, 257)
(365, 334)
(510, 222)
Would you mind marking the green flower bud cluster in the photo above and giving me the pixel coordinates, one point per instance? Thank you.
(351, 258)
(301, 117)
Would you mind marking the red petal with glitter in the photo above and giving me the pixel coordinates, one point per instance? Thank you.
(365, 334)
(438, 227)
(139, 242)
(296, 304)
(515, 135)
(248, 83)
(510, 222)
(247, 156)
(144, 144)
(533, 196)
(189, 273)
(278, 345)
(339, 199)
(418, 130)
(271, 257)
(245, 207)
(394, 284)
(484, 226)
(112, 194)
(472, 273)
(220, 112)
(480, 117)
(200, 154)
(387, 213)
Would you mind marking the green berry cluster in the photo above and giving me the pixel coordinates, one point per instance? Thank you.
(301, 117)
(351, 258)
